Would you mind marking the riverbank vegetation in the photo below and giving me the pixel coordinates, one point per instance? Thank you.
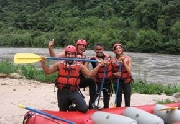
(140, 25)
(31, 72)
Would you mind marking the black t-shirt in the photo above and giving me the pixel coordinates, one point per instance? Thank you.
(93, 58)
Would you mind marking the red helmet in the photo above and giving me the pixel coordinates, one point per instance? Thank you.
(81, 42)
(117, 44)
(70, 48)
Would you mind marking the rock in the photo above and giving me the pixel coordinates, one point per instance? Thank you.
(2, 75)
(15, 76)
(177, 96)
(19, 71)
(4, 84)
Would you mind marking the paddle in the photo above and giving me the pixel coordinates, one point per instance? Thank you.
(101, 88)
(32, 58)
(117, 86)
(170, 108)
(46, 114)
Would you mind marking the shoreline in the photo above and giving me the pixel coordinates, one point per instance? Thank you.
(42, 96)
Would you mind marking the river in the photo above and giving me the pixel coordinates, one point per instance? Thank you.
(152, 67)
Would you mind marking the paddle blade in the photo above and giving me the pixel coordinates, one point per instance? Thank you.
(26, 58)
(170, 108)
(22, 106)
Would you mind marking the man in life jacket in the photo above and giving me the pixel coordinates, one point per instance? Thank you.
(69, 79)
(124, 75)
(103, 72)
(81, 45)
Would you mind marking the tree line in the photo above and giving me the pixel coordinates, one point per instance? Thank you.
(140, 25)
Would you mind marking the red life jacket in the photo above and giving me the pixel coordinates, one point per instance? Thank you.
(68, 76)
(100, 75)
(124, 73)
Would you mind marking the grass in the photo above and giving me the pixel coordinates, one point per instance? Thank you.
(166, 101)
(144, 87)
(29, 71)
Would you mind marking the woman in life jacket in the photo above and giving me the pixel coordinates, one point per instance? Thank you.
(124, 76)
(98, 48)
(81, 46)
(68, 79)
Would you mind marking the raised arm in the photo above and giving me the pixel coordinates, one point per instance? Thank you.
(51, 51)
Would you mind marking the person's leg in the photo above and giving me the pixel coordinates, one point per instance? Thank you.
(106, 98)
(77, 99)
(71, 106)
(62, 100)
(92, 92)
(119, 95)
(127, 94)
(92, 89)
(97, 97)
(106, 93)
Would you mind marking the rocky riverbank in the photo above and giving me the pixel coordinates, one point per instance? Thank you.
(43, 96)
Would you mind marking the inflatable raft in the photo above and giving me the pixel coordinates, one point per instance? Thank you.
(127, 115)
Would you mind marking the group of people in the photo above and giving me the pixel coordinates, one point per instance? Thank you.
(107, 72)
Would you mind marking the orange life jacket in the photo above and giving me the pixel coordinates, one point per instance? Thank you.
(124, 73)
(100, 75)
(68, 76)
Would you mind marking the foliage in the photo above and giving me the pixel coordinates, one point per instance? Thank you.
(7, 67)
(141, 25)
(148, 40)
(154, 88)
(166, 101)
(29, 71)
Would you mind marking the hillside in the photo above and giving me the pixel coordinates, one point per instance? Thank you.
(141, 25)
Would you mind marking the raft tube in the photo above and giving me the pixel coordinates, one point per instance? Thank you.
(109, 118)
(34, 118)
(169, 116)
(141, 116)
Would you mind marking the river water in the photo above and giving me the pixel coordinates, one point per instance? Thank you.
(156, 68)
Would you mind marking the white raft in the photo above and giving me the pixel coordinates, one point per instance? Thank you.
(169, 116)
(141, 116)
(100, 117)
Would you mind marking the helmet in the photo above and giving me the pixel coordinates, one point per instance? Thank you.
(70, 48)
(81, 42)
(117, 44)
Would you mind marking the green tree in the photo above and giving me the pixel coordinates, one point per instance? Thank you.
(147, 13)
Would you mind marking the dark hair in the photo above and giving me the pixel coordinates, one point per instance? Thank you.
(113, 48)
(98, 44)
